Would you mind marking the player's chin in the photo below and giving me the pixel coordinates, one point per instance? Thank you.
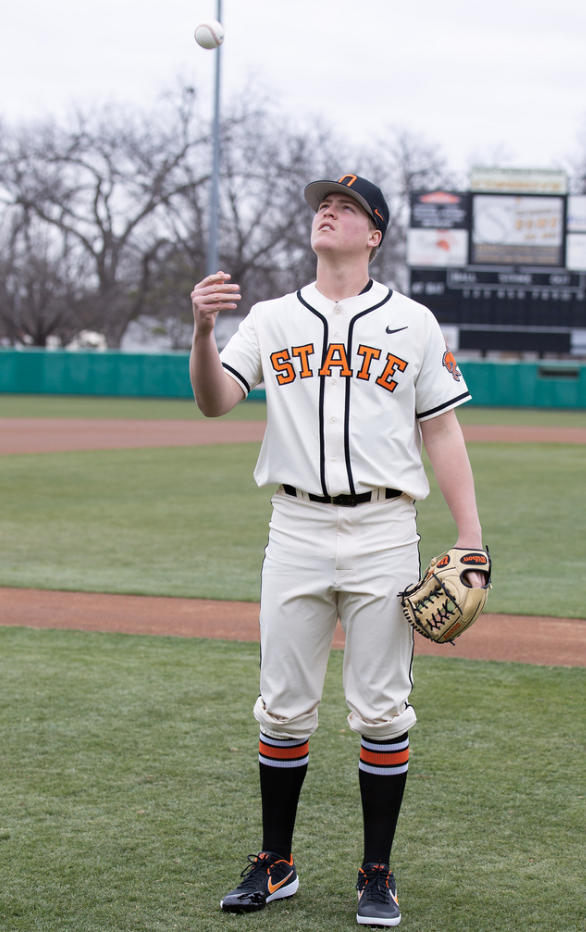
(322, 240)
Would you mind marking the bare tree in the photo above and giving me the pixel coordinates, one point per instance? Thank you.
(104, 184)
(42, 283)
(577, 165)
(402, 162)
(264, 221)
(107, 219)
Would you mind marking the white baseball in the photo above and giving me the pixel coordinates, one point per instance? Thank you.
(209, 35)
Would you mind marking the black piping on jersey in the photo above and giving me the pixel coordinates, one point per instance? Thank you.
(322, 388)
(413, 629)
(238, 376)
(348, 386)
(446, 404)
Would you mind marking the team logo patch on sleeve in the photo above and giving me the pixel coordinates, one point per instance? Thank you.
(449, 361)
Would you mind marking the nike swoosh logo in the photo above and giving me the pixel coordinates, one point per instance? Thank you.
(273, 887)
(396, 331)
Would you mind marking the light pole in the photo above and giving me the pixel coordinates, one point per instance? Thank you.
(213, 257)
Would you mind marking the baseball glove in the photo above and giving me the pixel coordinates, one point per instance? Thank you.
(442, 604)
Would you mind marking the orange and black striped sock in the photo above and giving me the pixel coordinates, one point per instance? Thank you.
(282, 766)
(382, 774)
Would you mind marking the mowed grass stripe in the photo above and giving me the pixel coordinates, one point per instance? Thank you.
(191, 522)
(129, 792)
(67, 406)
(178, 521)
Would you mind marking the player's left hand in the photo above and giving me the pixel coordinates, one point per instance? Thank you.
(475, 579)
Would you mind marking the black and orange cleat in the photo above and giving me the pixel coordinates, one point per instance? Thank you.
(267, 877)
(377, 896)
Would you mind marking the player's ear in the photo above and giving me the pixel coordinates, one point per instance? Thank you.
(374, 238)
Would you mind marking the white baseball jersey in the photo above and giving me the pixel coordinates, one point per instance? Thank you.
(346, 383)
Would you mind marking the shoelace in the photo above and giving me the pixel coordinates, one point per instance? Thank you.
(257, 865)
(376, 879)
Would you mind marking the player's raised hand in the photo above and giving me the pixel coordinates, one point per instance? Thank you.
(213, 294)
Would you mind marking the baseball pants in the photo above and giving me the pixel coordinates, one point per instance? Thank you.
(323, 562)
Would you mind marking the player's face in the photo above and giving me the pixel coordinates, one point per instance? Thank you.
(341, 226)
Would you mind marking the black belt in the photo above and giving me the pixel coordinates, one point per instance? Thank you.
(347, 501)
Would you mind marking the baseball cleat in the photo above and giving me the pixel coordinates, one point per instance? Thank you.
(268, 877)
(377, 896)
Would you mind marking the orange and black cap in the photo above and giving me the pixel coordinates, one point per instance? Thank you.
(365, 192)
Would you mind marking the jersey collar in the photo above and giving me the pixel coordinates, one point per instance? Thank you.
(361, 302)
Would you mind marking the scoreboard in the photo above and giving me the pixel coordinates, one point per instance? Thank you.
(505, 262)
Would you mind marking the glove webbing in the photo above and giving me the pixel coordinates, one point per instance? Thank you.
(442, 614)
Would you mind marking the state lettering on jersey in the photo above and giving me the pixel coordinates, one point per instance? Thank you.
(369, 353)
(336, 359)
(304, 352)
(336, 363)
(282, 365)
(394, 364)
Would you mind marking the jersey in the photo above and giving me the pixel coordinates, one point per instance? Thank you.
(347, 383)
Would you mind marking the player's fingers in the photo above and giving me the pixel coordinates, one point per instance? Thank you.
(476, 580)
(215, 296)
(214, 302)
(216, 282)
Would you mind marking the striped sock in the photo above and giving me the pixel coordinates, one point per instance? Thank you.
(282, 766)
(276, 752)
(382, 773)
(385, 758)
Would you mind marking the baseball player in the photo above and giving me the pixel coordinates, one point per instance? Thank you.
(356, 376)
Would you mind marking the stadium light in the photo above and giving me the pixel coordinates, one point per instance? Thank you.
(213, 257)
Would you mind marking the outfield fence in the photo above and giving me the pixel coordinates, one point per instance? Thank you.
(498, 383)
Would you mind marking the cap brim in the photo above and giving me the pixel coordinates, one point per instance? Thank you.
(318, 190)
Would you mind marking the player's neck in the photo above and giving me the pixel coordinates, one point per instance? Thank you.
(340, 281)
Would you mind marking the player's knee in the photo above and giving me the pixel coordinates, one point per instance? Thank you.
(278, 725)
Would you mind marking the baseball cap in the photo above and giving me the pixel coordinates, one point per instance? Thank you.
(365, 192)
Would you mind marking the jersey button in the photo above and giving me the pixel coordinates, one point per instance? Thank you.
(337, 309)
(332, 420)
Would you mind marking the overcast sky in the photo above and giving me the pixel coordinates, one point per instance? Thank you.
(473, 76)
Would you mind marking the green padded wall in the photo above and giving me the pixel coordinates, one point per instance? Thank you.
(502, 383)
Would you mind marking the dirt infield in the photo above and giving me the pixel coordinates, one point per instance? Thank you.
(549, 641)
(52, 435)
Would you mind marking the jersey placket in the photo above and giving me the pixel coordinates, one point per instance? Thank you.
(335, 405)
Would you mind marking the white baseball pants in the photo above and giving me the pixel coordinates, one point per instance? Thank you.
(323, 562)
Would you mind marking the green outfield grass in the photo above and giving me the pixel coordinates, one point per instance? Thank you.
(119, 408)
(129, 796)
(530, 417)
(190, 521)
(154, 408)
(186, 521)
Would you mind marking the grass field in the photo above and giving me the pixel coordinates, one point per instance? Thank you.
(190, 521)
(129, 794)
(119, 408)
(128, 786)
(147, 408)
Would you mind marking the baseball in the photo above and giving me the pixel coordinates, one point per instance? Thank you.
(209, 35)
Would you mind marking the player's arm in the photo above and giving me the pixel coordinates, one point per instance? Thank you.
(444, 442)
(215, 391)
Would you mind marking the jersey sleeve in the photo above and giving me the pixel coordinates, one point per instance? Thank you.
(241, 356)
(440, 384)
